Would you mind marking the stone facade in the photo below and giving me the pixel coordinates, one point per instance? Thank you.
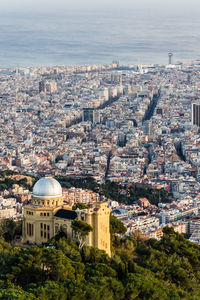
(44, 217)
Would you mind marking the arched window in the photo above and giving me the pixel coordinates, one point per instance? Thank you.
(56, 228)
(64, 228)
(29, 228)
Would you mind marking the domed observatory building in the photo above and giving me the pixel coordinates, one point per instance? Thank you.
(46, 215)
(38, 221)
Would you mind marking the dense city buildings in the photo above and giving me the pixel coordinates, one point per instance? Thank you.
(132, 125)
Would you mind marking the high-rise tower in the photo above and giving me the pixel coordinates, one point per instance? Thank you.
(196, 113)
(91, 114)
(170, 55)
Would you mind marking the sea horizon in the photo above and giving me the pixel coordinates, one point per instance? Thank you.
(84, 37)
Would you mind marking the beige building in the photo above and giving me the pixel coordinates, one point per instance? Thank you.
(7, 212)
(47, 214)
(77, 195)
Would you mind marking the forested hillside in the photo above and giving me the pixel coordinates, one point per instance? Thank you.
(118, 192)
(111, 190)
(138, 269)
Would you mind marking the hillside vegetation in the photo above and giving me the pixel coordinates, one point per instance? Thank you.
(138, 269)
(115, 191)
(111, 190)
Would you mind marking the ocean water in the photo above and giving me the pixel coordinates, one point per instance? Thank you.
(94, 37)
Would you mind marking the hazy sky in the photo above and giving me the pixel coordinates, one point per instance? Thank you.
(173, 6)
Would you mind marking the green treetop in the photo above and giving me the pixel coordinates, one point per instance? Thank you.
(81, 230)
(116, 226)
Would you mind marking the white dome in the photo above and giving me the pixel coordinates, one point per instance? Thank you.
(47, 188)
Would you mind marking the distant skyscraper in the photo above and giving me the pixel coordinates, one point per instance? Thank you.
(41, 86)
(47, 87)
(196, 114)
(170, 55)
(189, 78)
(91, 114)
(116, 64)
